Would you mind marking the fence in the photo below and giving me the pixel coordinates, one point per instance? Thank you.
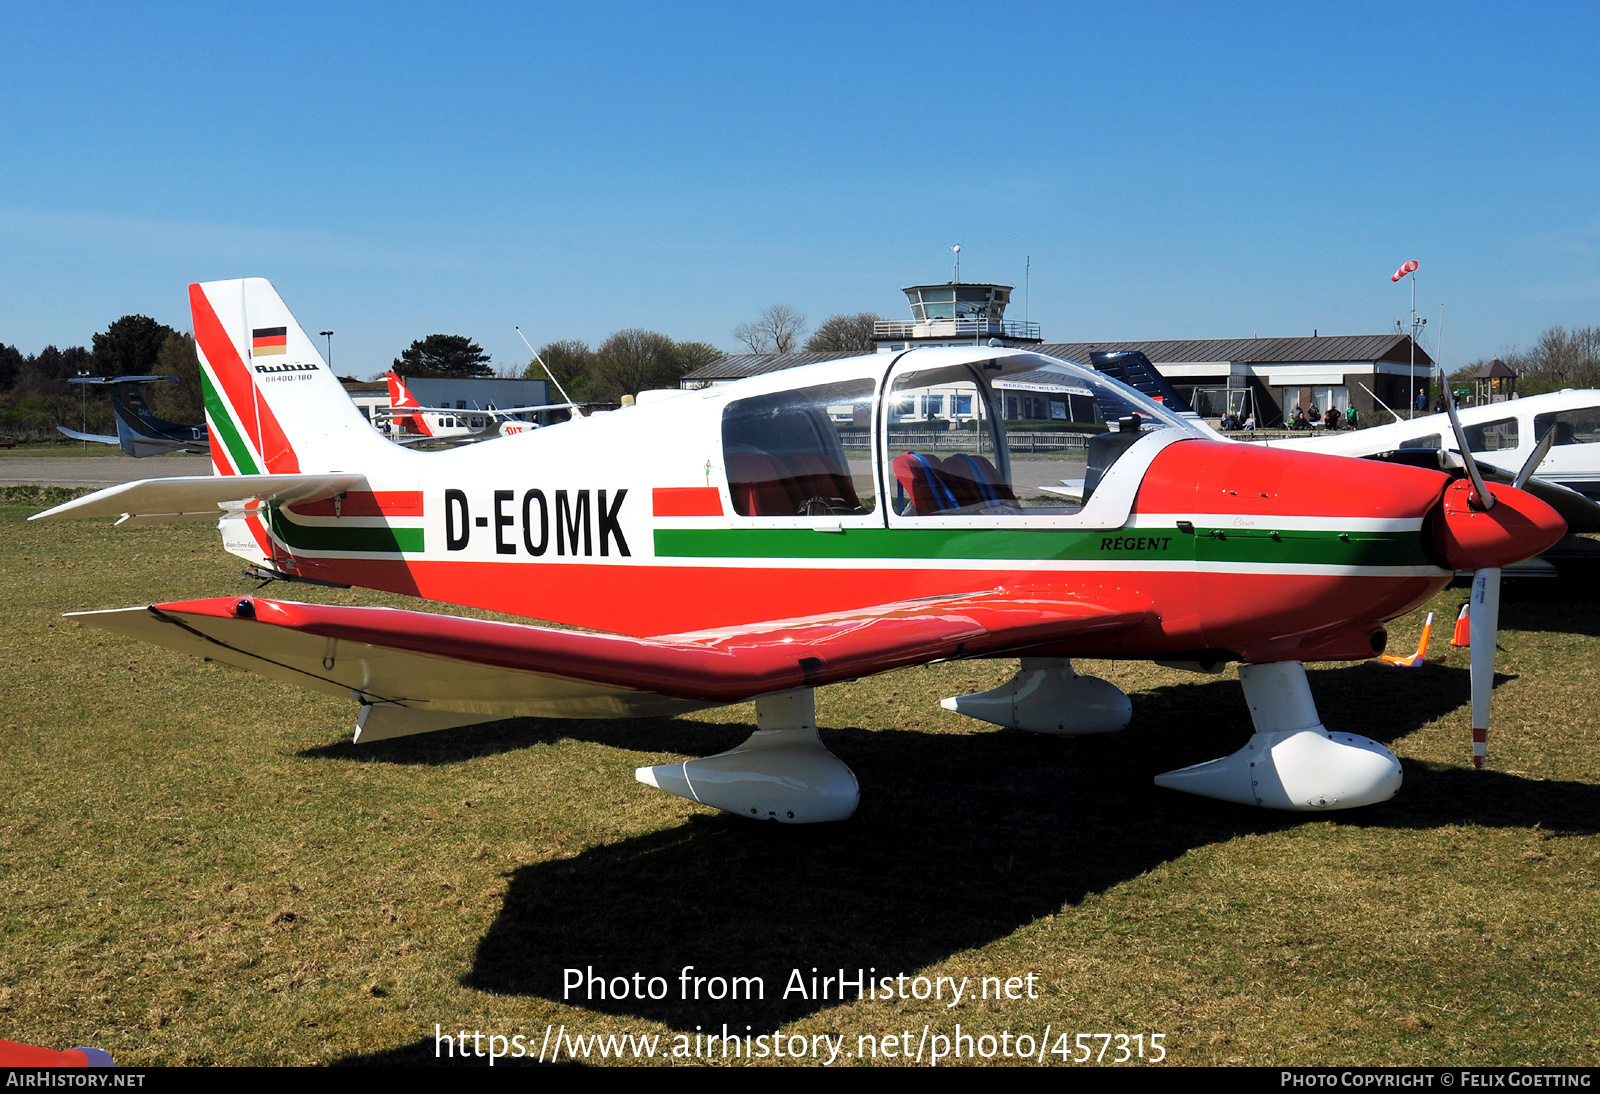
(960, 440)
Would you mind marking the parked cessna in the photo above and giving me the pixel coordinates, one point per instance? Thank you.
(765, 538)
(410, 422)
(140, 432)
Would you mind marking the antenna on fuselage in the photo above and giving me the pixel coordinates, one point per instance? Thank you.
(578, 409)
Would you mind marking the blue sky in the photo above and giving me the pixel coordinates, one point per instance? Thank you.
(1173, 170)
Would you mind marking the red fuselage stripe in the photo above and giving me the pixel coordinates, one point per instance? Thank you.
(686, 501)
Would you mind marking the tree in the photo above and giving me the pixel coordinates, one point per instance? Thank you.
(448, 355)
(693, 355)
(10, 365)
(569, 361)
(776, 330)
(1561, 358)
(635, 360)
(131, 346)
(845, 334)
(185, 400)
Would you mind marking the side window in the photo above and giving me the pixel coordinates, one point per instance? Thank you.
(1495, 436)
(942, 451)
(1049, 425)
(1037, 443)
(1580, 426)
(806, 452)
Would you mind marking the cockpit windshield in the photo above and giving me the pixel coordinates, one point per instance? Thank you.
(1022, 435)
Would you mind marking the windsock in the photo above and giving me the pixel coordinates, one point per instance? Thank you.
(1463, 635)
(16, 1054)
(1409, 267)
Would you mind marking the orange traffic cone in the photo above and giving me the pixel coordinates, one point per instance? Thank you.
(1418, 659)
(1463, 635)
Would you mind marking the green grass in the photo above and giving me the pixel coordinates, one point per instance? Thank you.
(198, 868)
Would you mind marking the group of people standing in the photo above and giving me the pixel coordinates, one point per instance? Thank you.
(1301, 417)
(1307, 418)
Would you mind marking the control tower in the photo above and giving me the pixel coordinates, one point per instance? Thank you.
(957, 313)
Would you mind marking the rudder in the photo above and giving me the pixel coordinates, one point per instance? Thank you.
(272, 404)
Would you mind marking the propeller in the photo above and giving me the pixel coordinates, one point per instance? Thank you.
(1484, 614)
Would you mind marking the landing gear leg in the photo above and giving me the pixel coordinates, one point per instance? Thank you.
(1291, 762)
(782, 772)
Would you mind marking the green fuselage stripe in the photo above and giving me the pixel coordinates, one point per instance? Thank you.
(1326, 548)
(353, 540)
(218, 411)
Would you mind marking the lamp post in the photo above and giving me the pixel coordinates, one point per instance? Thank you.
(83, 400)
(328, 334)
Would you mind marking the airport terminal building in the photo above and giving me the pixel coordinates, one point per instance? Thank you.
(1266, 376)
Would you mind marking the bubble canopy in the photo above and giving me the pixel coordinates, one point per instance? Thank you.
(1020, 370)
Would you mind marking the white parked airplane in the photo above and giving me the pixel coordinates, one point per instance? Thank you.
(1501, 437)
(409, 421)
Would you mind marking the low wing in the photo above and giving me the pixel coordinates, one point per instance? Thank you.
(415, 671)
(193, 497)
(497, 411)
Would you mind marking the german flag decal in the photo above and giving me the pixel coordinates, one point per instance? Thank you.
(266, 341)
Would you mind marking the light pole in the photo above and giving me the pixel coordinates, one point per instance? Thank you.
(328, 334)
(83, 392)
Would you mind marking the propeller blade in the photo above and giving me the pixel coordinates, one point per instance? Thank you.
(1482, 500)
(1485, 624)
(1539, 453)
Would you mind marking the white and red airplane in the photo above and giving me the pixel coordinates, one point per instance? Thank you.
(409, 420)
(764, 538)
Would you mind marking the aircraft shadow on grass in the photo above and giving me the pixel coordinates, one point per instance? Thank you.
(961, 839)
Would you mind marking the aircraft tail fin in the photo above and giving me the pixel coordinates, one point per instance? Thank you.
(400, 398)
(272, 404)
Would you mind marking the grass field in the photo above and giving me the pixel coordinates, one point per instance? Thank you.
(199, 868)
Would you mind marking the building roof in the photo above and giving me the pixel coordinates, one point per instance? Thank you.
(1494, 370)
(1277, 351)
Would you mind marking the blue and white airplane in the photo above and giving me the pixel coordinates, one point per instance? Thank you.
(139, 431)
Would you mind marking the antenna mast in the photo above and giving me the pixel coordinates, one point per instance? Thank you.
(548, 373)
(1027, 287)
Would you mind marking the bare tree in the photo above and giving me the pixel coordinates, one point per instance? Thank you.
(845, 333)
(1561, 358)
(776, 330)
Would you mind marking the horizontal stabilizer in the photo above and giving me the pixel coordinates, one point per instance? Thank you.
(100, 437)
(433, 663)
(189, 496)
